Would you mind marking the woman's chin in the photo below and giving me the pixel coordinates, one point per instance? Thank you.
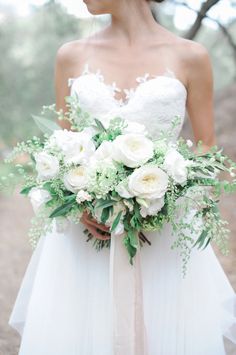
(93, 9)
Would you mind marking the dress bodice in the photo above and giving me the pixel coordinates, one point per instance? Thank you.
(155, 102)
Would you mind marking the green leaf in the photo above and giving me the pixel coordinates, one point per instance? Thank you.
(50, 203)
(105, 215)
(45, 125)
(70, 198)
(131, 250)
(207, 243)
(132, 234)
(99, 124)
(26, 190)
(32, 158)
(137, 212)
(105, 203)
(62, 210)
(201, 240)
(116, 221)
(48, 186)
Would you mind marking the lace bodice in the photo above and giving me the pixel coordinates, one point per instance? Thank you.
(155, 102)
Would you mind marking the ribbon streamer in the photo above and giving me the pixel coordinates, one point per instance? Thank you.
(129, 332)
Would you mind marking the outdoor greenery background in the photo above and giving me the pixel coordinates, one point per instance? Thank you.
(28, 46)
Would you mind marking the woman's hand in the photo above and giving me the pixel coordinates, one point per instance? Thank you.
(99, 231)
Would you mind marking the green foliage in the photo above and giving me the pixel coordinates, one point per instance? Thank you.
(26, 74)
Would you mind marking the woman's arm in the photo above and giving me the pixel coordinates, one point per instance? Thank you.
(200, 96)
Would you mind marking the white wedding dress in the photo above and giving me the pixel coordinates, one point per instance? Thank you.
(64, 304)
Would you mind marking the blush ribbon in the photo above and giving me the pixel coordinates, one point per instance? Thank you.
(129, 332)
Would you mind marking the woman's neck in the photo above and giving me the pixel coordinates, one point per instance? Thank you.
(132, 20)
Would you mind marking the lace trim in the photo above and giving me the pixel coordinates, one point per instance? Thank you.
(129, 93)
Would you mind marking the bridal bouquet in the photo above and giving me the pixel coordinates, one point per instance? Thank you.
(116, 172)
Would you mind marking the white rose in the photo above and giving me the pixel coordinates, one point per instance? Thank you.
(123, 189)
(103, 154)
(132, 150)
(90, 130)
(47, 165)
(38, 197)
(76, 179)
(83, 196)
(77, 147)
(153, 206)
(148, 182)
(176, 166)
(134, 127)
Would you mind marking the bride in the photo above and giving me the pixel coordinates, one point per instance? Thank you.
(76, 301)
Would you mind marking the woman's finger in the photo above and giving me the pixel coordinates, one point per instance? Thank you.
(92, 222)
(96, 234)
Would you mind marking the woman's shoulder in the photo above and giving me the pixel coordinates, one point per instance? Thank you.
(192, 54)
(69, 51)
(80, 47)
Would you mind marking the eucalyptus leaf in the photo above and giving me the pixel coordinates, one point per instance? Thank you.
(99, 124)
(26, 190)
(105, 203)
(45, 125)
(201, 240)
(116, 221)
(131, 250)
(105, 215)
(62, 210)
(132, 234)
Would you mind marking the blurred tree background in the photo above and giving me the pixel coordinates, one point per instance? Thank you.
(28, 46)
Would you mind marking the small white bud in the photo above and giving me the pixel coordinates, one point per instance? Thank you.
(189, 143)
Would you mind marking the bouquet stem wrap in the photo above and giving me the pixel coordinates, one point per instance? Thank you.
(129, 333)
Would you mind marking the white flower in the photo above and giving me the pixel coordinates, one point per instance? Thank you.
(132, 150)
(176, 166)
(90, 130)
(38, 197)
(76, 179)
(47, 165)
(83, 196)
(134, 127)
(189, 143)
(77, 147)
(123, 189)
(148, 182)
(103, 154)
(153, 206)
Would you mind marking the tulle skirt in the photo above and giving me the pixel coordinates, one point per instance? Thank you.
(63, 306)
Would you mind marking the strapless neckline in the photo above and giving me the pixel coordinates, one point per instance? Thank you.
(129, 92)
